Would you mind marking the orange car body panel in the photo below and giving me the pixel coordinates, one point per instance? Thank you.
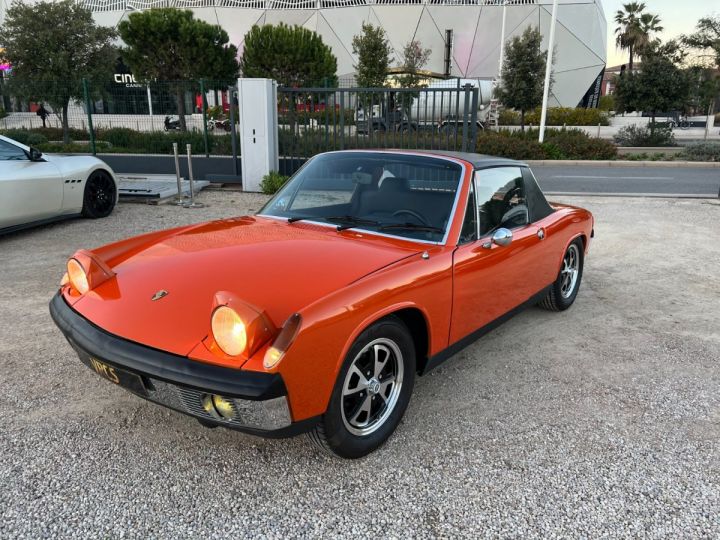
(340, 282)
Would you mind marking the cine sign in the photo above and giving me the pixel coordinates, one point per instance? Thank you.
(128, 79)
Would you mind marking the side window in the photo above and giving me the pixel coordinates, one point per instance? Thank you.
(501, 199)
(469, 228)
(10, 152)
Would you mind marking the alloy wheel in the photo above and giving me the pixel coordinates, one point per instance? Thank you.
(372, 386)
(570, 271)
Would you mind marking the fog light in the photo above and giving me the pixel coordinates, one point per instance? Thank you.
(218, 406)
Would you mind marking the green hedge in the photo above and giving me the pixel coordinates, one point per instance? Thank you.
(120, 140)
(703, 151)
(557, 116)
(272, 182)
(24, 135)
(642, 135)
(558, 144)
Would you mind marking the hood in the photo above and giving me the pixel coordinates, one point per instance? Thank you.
(275, 266)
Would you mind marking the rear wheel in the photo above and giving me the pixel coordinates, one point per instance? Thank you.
(563, 291)
(99, 197)
(371, 393)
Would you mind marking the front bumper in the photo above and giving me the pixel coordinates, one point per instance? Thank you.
(260, 404)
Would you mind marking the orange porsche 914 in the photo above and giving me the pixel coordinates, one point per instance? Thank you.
(367, 269)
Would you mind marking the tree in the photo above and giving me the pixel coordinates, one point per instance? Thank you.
(414, 59)
(292, 55)
(168, 44)
(634, 29)
(659, 86)
(523, 73)
(704, 86)
(52, 46)
(372, 49)
(707, 36)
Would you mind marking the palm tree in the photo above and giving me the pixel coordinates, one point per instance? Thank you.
(629, 33)
(649, 23)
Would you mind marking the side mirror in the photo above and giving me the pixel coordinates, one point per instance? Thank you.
(501, 237)
(34, 154)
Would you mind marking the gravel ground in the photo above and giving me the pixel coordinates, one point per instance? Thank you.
(600, 421)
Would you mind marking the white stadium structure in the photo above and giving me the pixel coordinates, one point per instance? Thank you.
(476, 26)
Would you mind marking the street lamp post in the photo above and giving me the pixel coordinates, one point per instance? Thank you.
(548, 71)
(502, 39)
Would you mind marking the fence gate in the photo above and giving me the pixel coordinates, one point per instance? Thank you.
(314, 120)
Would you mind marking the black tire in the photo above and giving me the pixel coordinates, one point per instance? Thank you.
(560, 297)
(100, 195)
(334, 433)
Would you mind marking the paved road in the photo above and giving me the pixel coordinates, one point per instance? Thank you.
(604, 179)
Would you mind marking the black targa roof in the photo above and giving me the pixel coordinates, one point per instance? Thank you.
(479, 161)
(539, 207)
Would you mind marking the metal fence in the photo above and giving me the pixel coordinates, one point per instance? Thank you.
(314, 120)
(130, 117)
(123, 114)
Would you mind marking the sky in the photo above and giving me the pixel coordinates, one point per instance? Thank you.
(678, 17)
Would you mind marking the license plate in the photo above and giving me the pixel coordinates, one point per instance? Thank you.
(115, 375)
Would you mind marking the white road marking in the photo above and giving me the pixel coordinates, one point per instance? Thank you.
(615, 177)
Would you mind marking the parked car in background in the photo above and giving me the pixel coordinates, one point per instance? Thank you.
(316, 314)
(36, 188)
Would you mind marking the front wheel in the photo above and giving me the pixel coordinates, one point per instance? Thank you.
(100, 195)
(563, 291)
(371, 393)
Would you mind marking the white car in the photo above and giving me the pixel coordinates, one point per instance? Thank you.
(37, 188)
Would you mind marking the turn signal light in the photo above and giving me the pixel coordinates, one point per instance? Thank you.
(281, 344)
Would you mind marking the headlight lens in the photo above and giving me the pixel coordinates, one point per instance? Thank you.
(229, 331)
(77, 276)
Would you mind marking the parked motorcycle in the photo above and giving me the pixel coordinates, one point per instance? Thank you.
(214, 124)
(172, 124)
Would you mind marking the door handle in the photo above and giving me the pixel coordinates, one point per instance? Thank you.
(541, 233)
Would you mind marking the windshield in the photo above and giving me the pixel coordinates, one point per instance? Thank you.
(395, 194)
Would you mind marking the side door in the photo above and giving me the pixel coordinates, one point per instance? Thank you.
(489, 279)
(29, 190)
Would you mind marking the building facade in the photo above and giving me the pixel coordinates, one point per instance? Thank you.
(476, 28)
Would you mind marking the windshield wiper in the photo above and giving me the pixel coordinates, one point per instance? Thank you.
(412, 227)
(347, 222)
(351, 221)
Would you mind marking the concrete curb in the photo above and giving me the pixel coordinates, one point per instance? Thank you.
(621, 163)
(629, 195)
